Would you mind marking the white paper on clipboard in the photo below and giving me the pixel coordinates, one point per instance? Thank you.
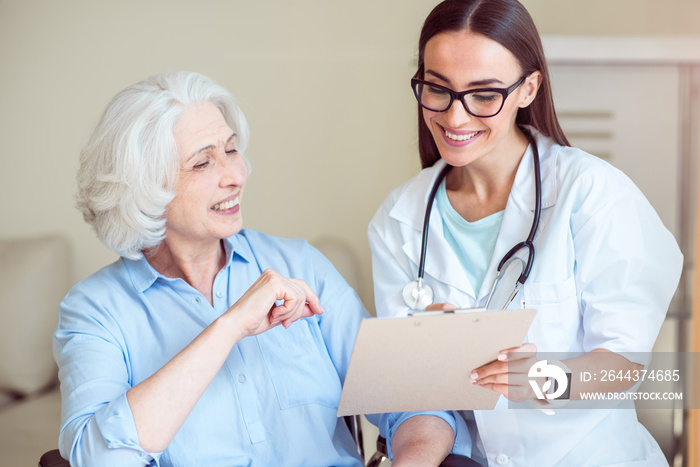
(423, 362)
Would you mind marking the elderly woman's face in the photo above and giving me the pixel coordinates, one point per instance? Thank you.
(212, 174)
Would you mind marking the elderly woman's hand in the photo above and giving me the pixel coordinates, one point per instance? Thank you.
(259, 309)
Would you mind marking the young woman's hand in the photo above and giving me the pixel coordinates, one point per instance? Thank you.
(440, 307)
(509, 374)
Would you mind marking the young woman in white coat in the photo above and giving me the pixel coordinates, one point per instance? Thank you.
(605, 267)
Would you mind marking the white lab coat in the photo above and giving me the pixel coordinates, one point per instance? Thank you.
(604, 273)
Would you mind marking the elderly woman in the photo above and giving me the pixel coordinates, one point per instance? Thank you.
(204, 344)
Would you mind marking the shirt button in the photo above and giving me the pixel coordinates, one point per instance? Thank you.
(241, 378)
(219, 293)
(502, 459)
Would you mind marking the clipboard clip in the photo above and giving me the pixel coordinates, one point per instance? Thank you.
(460, 311)
(421, 314)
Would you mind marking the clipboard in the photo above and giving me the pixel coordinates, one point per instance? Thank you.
(423, 361)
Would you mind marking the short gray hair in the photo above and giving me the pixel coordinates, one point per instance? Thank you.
(129, 167)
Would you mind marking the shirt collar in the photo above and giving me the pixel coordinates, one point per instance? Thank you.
(143, 275)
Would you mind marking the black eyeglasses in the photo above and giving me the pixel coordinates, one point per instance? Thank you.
(482, 102)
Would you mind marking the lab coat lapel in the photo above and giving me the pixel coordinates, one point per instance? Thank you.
(441, 262)
(520, 208)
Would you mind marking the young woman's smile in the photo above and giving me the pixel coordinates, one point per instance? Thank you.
(459, 138)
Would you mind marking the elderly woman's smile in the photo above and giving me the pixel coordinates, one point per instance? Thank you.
(227, 207)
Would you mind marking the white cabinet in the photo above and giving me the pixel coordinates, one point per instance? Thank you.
(636, 103)
(628, 115)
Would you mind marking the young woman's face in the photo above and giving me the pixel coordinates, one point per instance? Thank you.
(463, 61)
(212, 175)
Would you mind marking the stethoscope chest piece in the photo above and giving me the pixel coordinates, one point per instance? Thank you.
(418, 295)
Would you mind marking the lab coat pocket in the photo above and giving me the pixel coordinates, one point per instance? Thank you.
(299, 365)
(557, 321)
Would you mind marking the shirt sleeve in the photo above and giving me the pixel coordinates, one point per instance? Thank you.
(343, 311)
(97, 426)
(627, 269)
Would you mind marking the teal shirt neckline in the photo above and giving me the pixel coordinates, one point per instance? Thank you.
(472, 242)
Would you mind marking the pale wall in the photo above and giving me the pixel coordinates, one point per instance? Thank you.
(324, 85)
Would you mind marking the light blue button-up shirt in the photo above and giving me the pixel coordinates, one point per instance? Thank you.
(273, 402)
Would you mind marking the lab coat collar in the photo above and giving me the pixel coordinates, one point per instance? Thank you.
(410, 207)
(523, 191)
(441, 262)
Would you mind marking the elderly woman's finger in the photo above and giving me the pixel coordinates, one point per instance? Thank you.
(290, 307)
(313, 304)
(310, 306)
(292, 297)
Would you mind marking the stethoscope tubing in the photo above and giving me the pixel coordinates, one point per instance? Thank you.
(426, 222)
(529, 242)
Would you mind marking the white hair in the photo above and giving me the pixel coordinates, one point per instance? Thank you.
(129, 167)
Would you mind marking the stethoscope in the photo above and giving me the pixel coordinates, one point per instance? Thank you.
(418, 295)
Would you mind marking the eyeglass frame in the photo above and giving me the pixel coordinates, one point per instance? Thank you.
(505, 92)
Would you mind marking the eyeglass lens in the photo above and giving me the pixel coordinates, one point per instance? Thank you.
(480, 104)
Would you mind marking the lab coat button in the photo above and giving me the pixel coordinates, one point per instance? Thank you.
(502, 459)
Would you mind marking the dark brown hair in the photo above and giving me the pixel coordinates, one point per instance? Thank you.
(508, 23)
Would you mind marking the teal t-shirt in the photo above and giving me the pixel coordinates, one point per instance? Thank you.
(472, 242)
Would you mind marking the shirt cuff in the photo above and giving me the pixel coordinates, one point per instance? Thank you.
(118, 428)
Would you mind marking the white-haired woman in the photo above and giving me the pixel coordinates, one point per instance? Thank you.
(173, 355)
